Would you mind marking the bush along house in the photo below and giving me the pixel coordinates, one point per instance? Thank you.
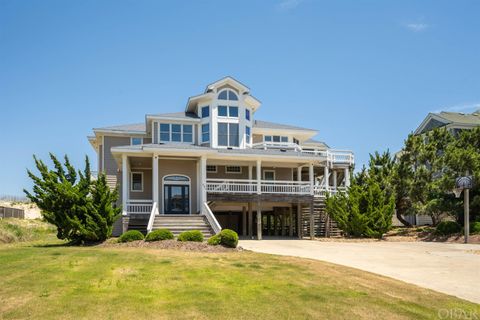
(215, 166)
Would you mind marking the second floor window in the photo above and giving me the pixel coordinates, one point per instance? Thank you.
(176, 132)
(247, 134)
(228, 134)
(228, 95)
(205, 132)
(247, 114)
(205, 112)
(231, 112)
(275, 139)
(136, 141)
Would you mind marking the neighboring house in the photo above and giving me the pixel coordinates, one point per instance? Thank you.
(215, 166)
(453, 121)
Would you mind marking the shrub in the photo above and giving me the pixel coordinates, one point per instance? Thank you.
(445, 228)
(214, 240)
(475, 227)
(131, 235)
(193, 235)
(226, 237)
(160, 234)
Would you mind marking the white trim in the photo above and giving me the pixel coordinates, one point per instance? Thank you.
(131, 181)
(131, 141)
(274, 175)
(233, 172)
(180, 183)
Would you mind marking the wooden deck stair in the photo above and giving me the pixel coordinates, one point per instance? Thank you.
(179, 223)
(325, 226)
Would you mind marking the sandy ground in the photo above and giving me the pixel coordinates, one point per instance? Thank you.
(31, 210)
(449, 268)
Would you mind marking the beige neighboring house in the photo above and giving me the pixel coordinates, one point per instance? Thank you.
(214, 165)
(453, 122)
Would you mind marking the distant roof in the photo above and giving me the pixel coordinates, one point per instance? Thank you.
(135, 127)
(272, 125)
(179, 115)
(314, 142)
(464, 118)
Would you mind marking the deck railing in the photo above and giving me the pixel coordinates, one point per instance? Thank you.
(332, 155)
(231, 186)
(207, 212)
(286, 187)
(151, 219)
(139, 206)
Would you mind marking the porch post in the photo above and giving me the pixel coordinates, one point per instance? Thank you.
(250, 173)
(259, 176)
(259, 221)
(347, 177)
(326, 177)
(250, 220)
(299, 173)
(244, 221)
(299, 220)
(203, 181)
(155, 180)
(124, 184)
(312, 222)
(335, 180)
(310, 176)
(290, 221)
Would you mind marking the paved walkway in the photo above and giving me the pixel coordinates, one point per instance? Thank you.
(449, 268)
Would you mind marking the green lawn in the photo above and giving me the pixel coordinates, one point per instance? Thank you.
(41, 281)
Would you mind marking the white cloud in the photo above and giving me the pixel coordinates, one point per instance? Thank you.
(467, 108)
(289, 4)
(416, 27)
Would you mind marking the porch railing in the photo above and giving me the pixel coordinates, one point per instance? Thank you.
(211, 218)
(139, 206)
(287, 187)
(231, 186)
(151, 220)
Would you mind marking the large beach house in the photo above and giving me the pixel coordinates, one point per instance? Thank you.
(215, 166)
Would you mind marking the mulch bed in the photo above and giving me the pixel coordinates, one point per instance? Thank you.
(168, 245)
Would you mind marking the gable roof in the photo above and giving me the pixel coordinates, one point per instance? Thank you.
(441, 119)
(127, 128)
(272, 125)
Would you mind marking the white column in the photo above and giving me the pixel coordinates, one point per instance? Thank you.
(326, 177)
(259, 176)
(347, 177)
(203, 179)
(299, 173)
(155, 179)
(124, 183)
(335, 180)
(310, 176)
(250, 173)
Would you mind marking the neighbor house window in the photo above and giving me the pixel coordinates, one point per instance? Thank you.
(228, 134)
(205, 112)
(211, 169)
(137, 182)
(136, 141)
(205, 132)
(233, 169)
(176, 132)
(247, 134)
(247, 114)
(228, 95)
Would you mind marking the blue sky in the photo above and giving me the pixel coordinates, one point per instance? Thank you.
(364, 73)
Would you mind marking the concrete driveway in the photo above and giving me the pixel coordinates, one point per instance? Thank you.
(449, 268)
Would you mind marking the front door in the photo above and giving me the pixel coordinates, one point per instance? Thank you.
(177, 199)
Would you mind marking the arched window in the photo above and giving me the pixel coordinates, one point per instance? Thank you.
(228, 95)
(176, 178)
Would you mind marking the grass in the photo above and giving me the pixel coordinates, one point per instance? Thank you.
(46, 280)
(17, 230)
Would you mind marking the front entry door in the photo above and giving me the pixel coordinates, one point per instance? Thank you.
(177, 199)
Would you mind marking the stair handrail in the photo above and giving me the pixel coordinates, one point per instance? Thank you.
(211, 218)
(152, 218)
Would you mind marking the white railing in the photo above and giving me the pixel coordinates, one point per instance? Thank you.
(151, 220)
(287, 187)
(139, 206)
(332, 155)
(321, 191)
(231, 186)
(211, 218)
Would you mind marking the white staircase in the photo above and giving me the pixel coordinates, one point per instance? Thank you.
(179, 223)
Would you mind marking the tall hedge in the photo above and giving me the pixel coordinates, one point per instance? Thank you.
(82, 209)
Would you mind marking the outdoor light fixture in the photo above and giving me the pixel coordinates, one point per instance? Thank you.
(464, 184)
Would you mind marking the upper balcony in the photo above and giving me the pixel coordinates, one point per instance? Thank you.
(331, 155)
